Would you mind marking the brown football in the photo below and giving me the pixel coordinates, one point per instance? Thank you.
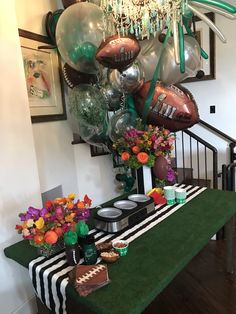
(118, 52)
(74, 78)
(172, 107)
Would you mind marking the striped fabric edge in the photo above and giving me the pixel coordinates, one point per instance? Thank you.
(53, 290)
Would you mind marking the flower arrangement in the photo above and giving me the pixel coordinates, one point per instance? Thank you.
(46, 226)
(142, 147)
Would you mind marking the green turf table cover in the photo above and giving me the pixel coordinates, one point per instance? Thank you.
(155, 258)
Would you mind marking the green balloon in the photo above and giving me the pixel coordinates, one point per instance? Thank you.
(220, 4)
(84, 52)
(88, 105)
(181, 48)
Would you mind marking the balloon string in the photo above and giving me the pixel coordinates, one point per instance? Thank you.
(190, 33)
(154, 80)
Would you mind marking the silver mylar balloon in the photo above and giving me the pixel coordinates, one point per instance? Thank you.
(170, 71)
(113, 97)
(128, 80)
(149, 56)
(118, 124)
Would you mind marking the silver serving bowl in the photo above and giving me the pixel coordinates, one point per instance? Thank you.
(125, 204)
(109, 212)
(139, 198)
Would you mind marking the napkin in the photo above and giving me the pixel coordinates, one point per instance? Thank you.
(88, 278)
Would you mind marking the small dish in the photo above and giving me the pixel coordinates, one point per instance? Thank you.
(110, 256)
(121, 246)
(104, 246)
(109, 212)
(139, 198)
(125, 204)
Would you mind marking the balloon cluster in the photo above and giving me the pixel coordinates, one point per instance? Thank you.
(120, 65)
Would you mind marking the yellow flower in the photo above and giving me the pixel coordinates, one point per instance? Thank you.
(39, 223)
(71, 196)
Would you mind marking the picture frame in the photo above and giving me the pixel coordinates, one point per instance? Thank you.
(44, 79)
(98, 151)
(206, 39)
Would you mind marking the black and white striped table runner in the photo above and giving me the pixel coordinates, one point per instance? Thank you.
(50, 275)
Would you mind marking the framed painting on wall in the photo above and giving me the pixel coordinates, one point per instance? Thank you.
(44, 78)
(206, 39)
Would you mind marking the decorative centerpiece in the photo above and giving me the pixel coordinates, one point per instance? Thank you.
(150, 147)
(45, 227)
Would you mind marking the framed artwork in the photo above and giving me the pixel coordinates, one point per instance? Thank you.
(44, 78)
(98, 151)
(206, 38)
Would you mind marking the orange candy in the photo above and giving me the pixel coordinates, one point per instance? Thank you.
(50, 237)
(125, 156)
(142, 158)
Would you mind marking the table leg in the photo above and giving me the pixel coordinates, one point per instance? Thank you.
(229, 235)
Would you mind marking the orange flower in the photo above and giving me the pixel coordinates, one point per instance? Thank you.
(50, 237)
(60, 201)
(70, 217)
(80, 205)
(87, 200)
(70, 205)
(58, 231)
(39, 238)
(125, 156)
(142, 158)
(135, 149)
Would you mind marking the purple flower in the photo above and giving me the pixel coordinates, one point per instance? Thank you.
(34, 212)
(83, 214)
(170, 175)
(43, 212)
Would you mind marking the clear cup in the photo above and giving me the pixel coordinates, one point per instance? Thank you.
(180, 195)
(169, 193)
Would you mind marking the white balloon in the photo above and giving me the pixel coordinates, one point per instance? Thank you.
(149, 56)
(213, 9)
(205, 19)
(170, 71)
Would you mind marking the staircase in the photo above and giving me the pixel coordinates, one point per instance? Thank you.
(197, 161)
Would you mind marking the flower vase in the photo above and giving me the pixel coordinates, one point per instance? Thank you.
(53, 249)
(144, 180)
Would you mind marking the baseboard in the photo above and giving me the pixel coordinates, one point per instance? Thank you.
(28, 307)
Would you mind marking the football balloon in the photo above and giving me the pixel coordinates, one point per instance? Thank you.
(118, 52)
(74, 78)
(172, 107)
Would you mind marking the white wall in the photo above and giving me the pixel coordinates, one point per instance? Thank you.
(221, 91)
(34, 158)
(38, 157)
(19, 183)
